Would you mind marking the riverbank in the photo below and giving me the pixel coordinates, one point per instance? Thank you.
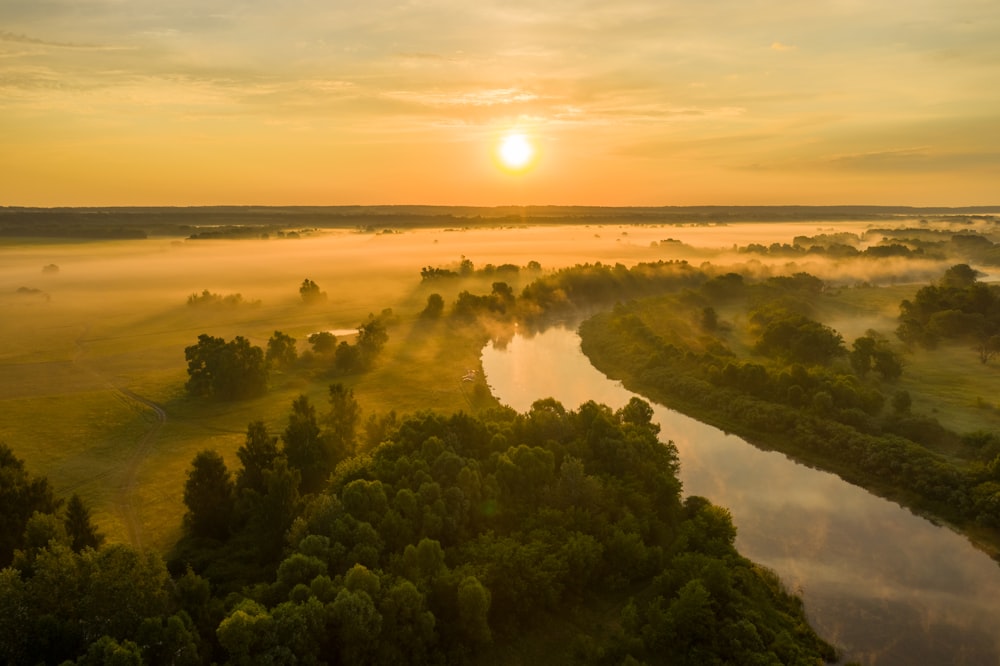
(886, 465)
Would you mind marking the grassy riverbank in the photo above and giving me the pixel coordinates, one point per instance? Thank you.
(673, 365)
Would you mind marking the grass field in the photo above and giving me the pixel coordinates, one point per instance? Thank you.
(88, 349)
(92, 352)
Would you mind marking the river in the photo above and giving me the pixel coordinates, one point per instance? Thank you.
(883, 585)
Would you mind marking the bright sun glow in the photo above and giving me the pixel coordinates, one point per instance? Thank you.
(516, 151)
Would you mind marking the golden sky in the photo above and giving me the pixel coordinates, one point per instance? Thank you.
(632, 102)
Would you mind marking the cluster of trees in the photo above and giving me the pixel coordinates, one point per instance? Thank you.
(452, 535)
(833, 415)
(456, 532)
(231, 370)
(343, 358)
(467, 269)
(32, 513)
(209, 299)
(833, 250)
(959, 308)
(793, 337)
(469, 306)
(237, 369)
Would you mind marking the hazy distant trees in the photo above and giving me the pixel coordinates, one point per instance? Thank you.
(323, 342)
(311, 293)
(434, 308)
(372, 338)
(226, 370)
(209, 299)
(281, 352)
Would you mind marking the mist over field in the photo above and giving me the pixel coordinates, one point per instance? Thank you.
(94, 383)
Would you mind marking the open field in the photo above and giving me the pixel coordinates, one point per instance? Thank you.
(104, 337)
(92, 368)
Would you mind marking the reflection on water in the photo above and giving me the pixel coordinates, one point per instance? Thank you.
(883, 585)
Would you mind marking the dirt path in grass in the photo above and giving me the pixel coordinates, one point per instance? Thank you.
(125, 495)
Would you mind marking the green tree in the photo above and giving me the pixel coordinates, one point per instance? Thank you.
(305, 448)
(21, 495)
(81, 531)
(358, 623)
(474, 611)
(109, 652)
(342, 421)
(248, 634)
(230, 371)
(278, 508)
(243, 373)
(372, 336)
(281, 352)
(257, 454)
(208, 495)
(203, 362)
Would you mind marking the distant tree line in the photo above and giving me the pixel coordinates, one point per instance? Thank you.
(209, 299)
(467, 269)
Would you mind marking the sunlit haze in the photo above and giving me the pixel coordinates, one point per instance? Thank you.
(629, 103)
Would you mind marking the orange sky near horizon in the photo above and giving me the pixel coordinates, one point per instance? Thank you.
(639, 102)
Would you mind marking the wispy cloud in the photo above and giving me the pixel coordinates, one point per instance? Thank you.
(853, 91)
(25, 39)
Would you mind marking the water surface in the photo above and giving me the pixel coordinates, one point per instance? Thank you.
(883, 585)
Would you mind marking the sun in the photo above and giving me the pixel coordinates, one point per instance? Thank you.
(516, 151)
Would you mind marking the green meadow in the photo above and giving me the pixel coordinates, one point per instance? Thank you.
(92, 368)
(90, 351)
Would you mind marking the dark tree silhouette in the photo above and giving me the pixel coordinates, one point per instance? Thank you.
(281, 350)
(227, 370)
(258, 455)
(310, 292)
(208, 495)
(305, 447)
(80, 530)
(21, 495)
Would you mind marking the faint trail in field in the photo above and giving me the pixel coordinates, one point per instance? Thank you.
(126, 491)
(125, 500)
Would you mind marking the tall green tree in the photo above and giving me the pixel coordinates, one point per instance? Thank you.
(209, 496)
(81, 531)
(258, 454)
(305, 447)
(342, 421)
